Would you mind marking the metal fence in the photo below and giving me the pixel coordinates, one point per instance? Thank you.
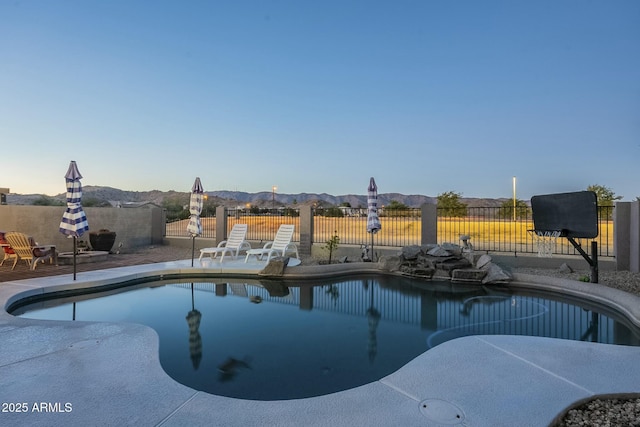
(490, 231)
(399, 228)
(261, 227)
(487, 227)
(179, 228)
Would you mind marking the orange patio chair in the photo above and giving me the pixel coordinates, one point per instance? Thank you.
(27, 249)
(6, 249)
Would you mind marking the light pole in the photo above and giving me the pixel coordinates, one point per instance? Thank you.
(273, 196)
(514, 198)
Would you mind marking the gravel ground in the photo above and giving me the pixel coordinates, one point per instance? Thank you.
(604, 412)
(623, 280)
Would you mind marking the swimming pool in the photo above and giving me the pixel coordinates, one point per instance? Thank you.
(271, 340)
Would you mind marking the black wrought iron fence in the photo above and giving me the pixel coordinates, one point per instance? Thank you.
(262, 227)
(400, 227)
(179, 228)
(491, 229)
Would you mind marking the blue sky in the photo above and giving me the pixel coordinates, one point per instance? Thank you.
(318, 96)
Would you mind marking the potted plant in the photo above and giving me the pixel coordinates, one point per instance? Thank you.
(102, 240)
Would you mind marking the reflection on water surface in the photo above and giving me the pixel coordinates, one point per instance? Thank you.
(268, 341)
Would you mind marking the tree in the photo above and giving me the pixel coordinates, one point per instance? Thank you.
(449, 204)
(290, 212)
(506, 209)
(177, 208)
(331, 245)
(208, 208)
(47, 201)
(93, 202)
(395, 209)
(333, 211)
(394, 204)
(604, 195)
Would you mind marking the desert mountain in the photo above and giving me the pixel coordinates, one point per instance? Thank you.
(239, 198)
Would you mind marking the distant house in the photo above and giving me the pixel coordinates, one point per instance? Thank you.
(349, 211)
(3, 195)
(144, 205)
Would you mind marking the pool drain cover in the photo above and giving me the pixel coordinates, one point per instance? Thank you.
(441, 411)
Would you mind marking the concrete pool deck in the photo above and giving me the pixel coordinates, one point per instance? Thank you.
(82, 373)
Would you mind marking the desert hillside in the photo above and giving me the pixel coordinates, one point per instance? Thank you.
(238, 198)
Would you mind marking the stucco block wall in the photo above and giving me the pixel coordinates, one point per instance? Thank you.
(627, 235)
(133, 227)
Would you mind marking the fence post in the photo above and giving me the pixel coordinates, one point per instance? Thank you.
(429, 224)
(306, 231)
(164, 223)
(158, 224)
(634, 238)
(221, 224)
(621, 234)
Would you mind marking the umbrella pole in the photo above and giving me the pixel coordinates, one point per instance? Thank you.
(75, 251)
(372, 256)
(193, 248)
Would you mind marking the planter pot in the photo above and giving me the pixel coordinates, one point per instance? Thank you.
(102, 240)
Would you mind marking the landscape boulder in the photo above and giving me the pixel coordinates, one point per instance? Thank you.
(390, 263)
(452, 248)
(495, 274)
(418, 271)
(439, 251)
(426, 261)
(474, 275)
(484, 260)
(411, 252)
(453, 263)
(275, 268)
(427, 247)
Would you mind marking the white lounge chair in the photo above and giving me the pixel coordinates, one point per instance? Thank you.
(280, 246)
(234, 244)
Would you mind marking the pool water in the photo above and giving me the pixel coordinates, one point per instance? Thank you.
(269, 341)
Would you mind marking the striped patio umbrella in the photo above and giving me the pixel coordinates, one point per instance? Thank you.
(195, 209)
(195, 339)
(373, 222)
(74, 220)
(373, 319)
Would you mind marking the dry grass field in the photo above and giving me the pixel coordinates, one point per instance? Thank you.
(486, 234)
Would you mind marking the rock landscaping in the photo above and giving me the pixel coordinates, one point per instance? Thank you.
(448, 260)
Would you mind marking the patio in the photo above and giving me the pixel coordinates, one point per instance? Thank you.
(74, 373)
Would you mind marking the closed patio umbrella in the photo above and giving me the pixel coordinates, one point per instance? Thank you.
(373, 318)
(195, 340)
(74, 220)
(195, 209)
(373, 222)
